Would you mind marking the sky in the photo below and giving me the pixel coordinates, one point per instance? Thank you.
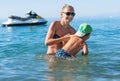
(52, 8)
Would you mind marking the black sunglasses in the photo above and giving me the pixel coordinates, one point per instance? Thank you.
(69, 13)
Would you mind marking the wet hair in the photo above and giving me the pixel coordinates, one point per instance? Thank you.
(66, 5)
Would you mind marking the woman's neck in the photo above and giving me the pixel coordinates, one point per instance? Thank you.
(64, 24)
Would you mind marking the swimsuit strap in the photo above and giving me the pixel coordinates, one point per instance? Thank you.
(56, 36)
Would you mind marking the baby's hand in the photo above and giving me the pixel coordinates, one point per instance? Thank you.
(68, 35)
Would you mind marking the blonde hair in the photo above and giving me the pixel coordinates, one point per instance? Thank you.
(66, 5)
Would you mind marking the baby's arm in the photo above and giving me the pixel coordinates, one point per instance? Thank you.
(85, 49)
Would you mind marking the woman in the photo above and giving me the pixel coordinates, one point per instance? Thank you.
(58, 30)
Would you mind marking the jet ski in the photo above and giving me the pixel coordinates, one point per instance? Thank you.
(31, 19)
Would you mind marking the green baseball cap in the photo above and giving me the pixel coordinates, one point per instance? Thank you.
(84, 29)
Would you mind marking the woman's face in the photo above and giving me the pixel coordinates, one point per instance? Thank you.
(68, 14)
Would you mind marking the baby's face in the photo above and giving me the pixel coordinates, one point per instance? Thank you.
(87, 36)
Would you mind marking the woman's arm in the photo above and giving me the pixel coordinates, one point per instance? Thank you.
(49, 37)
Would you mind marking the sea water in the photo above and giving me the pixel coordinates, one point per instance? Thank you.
(22, 54)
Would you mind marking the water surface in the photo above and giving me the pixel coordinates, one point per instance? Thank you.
(22, 54)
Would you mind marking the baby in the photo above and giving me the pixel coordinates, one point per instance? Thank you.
(76, 42)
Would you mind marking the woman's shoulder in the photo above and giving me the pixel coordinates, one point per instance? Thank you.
(55, 22)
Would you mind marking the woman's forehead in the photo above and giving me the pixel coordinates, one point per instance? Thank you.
(68, 9)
